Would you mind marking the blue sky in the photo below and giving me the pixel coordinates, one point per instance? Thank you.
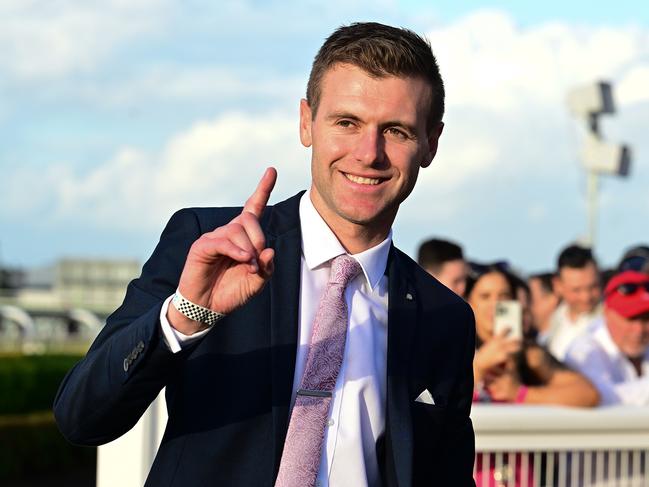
(531, 13)
(113, 115)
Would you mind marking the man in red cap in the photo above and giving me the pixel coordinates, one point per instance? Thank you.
(614, 353)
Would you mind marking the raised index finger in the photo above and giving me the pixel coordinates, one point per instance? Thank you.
(259, 199)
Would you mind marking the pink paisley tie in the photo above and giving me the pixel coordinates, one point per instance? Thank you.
(303, 445)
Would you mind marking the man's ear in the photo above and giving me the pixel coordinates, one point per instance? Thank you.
(433, 140)
(305, 123)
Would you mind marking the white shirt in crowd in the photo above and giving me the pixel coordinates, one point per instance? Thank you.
(595, 355)
(563, 329)
(357, 414)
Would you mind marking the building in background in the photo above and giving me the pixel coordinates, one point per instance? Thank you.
(97, 285)
(62, 304)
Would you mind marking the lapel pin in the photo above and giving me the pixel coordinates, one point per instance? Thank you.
(409, 297)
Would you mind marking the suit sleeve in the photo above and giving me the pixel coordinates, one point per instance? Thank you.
(104, 395)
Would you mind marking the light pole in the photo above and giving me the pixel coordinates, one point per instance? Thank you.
(597, 156)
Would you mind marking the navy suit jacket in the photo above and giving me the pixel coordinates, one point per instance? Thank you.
(228, 396)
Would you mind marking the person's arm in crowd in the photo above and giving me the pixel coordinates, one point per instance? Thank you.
(559, 385)
(634, 392)
(596, 365)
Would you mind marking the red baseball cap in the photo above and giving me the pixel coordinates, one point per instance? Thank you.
(628, 293)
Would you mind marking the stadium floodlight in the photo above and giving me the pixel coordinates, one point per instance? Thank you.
(604, 157)
(591, 100)
(598, 157)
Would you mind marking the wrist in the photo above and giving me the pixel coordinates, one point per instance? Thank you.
(195, 312)
(183, 324)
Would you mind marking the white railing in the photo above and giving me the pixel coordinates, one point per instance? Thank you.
(521, 446)
(517, 446)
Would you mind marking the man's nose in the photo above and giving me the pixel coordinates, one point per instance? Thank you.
(370, 147)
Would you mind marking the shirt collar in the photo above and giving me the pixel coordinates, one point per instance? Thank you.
(600, 331)
(320, 245)
(582, 317)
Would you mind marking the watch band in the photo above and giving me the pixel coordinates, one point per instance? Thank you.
(194, 311)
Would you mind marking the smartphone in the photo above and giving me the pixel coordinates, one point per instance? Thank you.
(509, 315)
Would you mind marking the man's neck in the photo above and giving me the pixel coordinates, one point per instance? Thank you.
(357, 239)
(354, 237)
(574, 315)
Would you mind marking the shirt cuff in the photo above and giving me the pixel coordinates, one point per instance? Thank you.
(175, 340)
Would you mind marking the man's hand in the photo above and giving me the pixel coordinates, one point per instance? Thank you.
(231, 264)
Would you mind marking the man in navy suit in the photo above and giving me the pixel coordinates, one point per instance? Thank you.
(223, 311)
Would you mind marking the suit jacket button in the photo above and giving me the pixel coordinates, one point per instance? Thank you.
(126, 364)
(140, 346)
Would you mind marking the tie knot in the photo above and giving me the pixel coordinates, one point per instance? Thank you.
(343, 269)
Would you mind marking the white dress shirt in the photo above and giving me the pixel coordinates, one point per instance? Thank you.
(563, 329)
(596, 355)
(357, 414)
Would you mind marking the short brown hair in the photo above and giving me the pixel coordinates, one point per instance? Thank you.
(380, 50)
(434, 253)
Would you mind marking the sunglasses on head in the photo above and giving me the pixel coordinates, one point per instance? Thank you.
(631, 288)
(478, 270)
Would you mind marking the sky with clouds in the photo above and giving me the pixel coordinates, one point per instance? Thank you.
(113, 114)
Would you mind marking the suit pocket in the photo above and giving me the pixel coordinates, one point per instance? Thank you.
(428, 422)
(428, 427)
(430, 414)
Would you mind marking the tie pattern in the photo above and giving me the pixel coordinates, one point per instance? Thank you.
(303, 446)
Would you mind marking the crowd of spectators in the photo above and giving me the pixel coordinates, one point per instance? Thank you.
(579, 335)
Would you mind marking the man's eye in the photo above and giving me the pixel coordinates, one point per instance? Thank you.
(397, 133)
(345, 123)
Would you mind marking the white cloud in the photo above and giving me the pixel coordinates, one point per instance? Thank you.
(633, 87)
(165, 83)
(52, 39)
(490, 63)
(215, 162)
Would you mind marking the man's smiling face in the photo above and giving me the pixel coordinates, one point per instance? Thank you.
(369, 138)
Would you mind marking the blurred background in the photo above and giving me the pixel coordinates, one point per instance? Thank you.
(114, 114)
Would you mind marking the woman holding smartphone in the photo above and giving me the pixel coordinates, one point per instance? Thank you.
(508, 366)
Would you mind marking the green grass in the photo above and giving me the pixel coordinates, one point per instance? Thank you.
(28, 383)
(30, 443)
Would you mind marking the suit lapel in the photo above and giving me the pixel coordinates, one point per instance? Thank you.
(284, 237)
(402, 323)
